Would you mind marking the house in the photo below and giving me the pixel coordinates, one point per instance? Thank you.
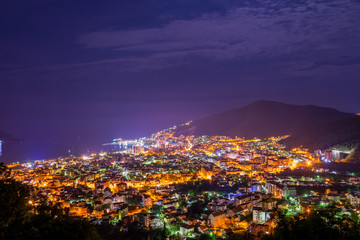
(108, 200)
(185, 229)
(234, 212)
(260, 215)
(156, 223)
(353, 199)
(333, 197)
(269, 204)
(242, 199)
(121, 186)
(217, 219)
(119, 198)
(289, 192)
(258, 229)
(146, 200)
(107, 192)
(123, 211)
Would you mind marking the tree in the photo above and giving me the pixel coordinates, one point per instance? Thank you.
(196, 208)
(324, 223)
(20, 220)
(13, 203)
(241, 236)
(157, 209)
(206, 236)
(4, 171)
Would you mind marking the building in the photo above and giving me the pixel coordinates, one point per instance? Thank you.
(136, 149)
(146, 200)
(289, 192)
(333, 197)
(353, 198)
(269, 204)
(123, 211)
(259, 229)
(235, 212)
(328, 155)
(185, 229)
(276, 189)
(217, 219)
(260, 215)
(256, 187)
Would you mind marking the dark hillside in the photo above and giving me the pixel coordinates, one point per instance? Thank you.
(263, 119)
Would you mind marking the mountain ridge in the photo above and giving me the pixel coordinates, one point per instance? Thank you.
(263, 118)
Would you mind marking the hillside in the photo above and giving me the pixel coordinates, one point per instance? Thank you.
(5, 137)
(9, 148)
(343, 134)
(264, 119)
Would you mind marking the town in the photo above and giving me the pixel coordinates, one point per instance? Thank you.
(191, 185)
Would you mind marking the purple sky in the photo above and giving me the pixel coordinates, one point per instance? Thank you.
(84, 72)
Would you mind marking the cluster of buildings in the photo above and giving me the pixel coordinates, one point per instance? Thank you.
(190, 185)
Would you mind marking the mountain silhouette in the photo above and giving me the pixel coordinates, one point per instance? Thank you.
(264, 119)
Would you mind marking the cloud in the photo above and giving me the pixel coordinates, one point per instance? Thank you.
(314, 32)
(270, 30)
(269, 45)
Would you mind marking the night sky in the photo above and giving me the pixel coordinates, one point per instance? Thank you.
(82, 72)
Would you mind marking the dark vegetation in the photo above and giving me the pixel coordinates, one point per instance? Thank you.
(132, 231)
(198, 187)
(354, 157)
(343, 134)
(343, 167)
(327, 223)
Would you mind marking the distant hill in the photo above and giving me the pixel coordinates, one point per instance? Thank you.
(5, 136)
(264, 119)
(10, 148)
(354, 157)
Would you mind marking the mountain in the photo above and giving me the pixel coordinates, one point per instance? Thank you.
(264, 119)
(11, 148)
(5, 136)
(343, 134)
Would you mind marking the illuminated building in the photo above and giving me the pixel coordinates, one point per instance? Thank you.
(289, 192)
(136, 149)
(217, 219)
(185, 229)
(260, 215)
(328, 155)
